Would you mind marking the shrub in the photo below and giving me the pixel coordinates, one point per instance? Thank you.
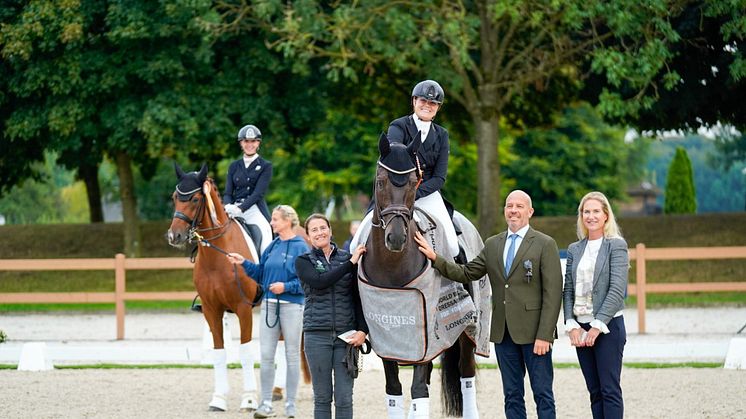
(680, 194)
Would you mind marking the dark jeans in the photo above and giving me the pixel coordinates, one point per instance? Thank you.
(602, 368)
(324, 353)
(513, 360)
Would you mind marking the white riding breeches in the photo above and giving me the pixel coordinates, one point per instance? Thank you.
(254, 216)
(432, 204)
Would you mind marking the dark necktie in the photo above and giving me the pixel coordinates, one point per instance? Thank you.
(511, 254)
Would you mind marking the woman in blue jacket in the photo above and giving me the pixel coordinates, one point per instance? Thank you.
(282, 310)
(593, 302)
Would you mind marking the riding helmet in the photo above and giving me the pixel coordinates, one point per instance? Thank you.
(249, 132)
(429, 90)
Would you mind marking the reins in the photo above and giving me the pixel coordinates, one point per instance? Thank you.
(194, 235)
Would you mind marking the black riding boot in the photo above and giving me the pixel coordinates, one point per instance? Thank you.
(461, 257)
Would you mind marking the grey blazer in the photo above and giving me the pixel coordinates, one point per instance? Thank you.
(609, 278)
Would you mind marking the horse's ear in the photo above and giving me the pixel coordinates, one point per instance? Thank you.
(384, 146)
(202, 175)
(415, 144)
(179, 173)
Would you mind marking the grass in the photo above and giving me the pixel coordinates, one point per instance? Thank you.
(653, 301)
(691, 299)
(655, 365)
(131, 306)
(94, 281)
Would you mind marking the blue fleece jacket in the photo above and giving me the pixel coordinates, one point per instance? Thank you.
(277, 264)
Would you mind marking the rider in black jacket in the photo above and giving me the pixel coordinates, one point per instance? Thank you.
(329, 278)
(432, 157)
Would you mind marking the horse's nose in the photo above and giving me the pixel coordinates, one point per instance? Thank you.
(173, 238)
(395, 242)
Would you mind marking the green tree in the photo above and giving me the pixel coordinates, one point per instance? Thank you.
(560, 164)
(130, 81)
(731, 146)
(491, 55)
(707, 68)
(708, 71)
(717, 186)
(680, 194)
(51, 197)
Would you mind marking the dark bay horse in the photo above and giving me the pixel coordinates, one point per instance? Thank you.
(199, 217)
(392, 261)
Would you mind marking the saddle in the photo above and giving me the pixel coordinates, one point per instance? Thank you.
(425, 223)
(252, 230)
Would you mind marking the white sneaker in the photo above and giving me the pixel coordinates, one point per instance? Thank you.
(264, 411)
(290, 410)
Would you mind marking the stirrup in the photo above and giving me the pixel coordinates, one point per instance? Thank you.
(196, 307)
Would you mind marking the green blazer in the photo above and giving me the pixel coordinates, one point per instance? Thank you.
(530, 308)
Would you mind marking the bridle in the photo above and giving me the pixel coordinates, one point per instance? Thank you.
(195, 235)
(194, 223)
(391, 212)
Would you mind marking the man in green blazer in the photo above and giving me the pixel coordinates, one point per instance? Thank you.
(524, 269)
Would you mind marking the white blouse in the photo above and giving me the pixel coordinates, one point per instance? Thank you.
(583, 307)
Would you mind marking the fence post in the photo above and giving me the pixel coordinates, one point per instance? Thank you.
(119, 289)
(640, 274)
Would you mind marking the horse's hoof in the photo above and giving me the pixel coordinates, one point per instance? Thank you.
(248, 402)
(218, 403)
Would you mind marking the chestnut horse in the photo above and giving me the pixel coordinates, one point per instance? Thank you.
(199, 217)
(392, 261)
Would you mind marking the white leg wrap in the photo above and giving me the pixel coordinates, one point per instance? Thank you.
(420, 408)
(247, 367)
(220, 370)
(395, 406)
(469, 394)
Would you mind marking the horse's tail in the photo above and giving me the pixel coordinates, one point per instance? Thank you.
(450, 381)
(304, 363)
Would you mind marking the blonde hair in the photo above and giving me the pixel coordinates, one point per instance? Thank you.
(288, 213)
(611, 229)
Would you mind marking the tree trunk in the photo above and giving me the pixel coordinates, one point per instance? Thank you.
(88, 173)
(488, 176)
(129, 205)
(339, 207)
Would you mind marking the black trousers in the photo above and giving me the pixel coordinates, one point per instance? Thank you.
(602, 368)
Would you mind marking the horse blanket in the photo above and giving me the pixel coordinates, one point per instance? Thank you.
(417, 322)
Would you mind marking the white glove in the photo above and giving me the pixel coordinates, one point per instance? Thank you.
(233, 210)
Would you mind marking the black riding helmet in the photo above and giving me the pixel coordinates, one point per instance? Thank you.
(249, 132)
(429, 90)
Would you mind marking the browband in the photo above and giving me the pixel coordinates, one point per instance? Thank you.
(398, 172)
(192, 192)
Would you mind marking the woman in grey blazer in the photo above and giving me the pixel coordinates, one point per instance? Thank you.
(593, 302)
